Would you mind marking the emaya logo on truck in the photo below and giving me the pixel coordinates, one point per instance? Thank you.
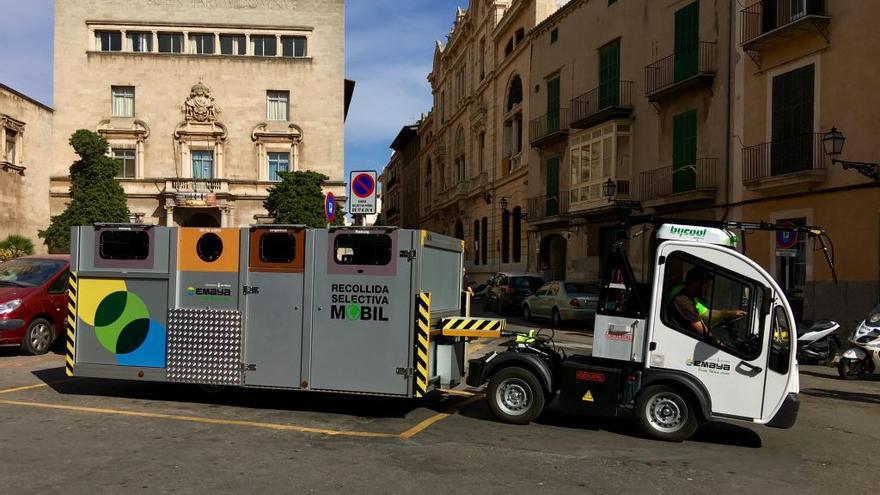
(358, 302)
(210, 291)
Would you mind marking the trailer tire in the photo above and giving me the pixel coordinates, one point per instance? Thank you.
(515, 396)
(666, 413)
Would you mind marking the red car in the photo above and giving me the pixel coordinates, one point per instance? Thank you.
(33, 301)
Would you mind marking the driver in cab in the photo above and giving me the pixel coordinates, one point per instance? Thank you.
(687, 309)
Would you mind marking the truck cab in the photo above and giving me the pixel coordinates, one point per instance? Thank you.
(709, 339)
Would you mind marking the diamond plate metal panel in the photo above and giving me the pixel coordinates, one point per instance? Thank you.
(204, 346)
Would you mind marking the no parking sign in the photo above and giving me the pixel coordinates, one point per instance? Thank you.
(362, 200)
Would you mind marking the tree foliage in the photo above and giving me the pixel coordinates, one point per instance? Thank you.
(298, 200)
(95, 195)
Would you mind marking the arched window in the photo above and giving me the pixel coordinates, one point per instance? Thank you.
(459, 155)
(513, 126)
(517, 234)
(459, 229)
(428, 180)
(514, 93)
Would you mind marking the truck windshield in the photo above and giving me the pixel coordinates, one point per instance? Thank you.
(28, 272)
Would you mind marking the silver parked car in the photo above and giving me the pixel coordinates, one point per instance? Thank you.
(563, 301)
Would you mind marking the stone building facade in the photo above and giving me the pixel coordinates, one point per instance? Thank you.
(400, 179)
(475, 142)
(203, 102)
(694, 109)
(802, 70)
(25, 165)
(635, 93)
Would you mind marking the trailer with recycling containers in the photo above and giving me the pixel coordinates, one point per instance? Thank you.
(349, 310)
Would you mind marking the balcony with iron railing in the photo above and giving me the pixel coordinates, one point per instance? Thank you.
(548, 127)
(786, 163)
(548, 208)
(766, 23)
(608, 101)
(197, 192)
(687, 68)
(681, 184)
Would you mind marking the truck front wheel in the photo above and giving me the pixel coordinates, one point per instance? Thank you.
(515, 396)
(666, 414)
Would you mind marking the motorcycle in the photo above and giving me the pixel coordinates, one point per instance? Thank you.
(863, 358)
(818, 341)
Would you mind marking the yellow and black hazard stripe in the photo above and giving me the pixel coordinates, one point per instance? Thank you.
(423, 341)
(71, 322)
(468, 323)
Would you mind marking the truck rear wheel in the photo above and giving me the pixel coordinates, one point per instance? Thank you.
(666, 414)
(515, 396)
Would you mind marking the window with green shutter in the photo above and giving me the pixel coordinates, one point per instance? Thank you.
(792, 121)
(609, 75)
(553, 104)
(687, 41)
(684, 152)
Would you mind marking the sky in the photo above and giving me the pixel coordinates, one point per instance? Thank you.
(389, 51)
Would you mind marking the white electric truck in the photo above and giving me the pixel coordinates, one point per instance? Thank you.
(710, 338)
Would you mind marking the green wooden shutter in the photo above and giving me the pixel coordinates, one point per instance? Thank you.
(609, 75)
(792, 121)
(553, 101)
(687, 41)
(552, 187)
(684, 152)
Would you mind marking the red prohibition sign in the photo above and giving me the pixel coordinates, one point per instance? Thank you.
(363, 186)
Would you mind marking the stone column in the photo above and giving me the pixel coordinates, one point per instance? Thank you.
(154, 46)
(169, 215)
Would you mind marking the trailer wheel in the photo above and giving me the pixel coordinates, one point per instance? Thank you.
(666, 414)
(515, 396)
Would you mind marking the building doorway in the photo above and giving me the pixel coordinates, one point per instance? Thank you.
(209, 220)
(553, 255)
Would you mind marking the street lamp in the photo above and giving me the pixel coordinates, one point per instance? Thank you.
(609, 190)
(833, 142)
(503, 203)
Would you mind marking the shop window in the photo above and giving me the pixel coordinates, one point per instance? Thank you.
(363, 249)
(713, 305)
(209, 248)
(277, 247)
(132, 245)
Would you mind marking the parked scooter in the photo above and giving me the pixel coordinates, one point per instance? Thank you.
(863, 358)
(818, 341)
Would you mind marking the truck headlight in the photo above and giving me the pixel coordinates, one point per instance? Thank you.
(10, 306)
